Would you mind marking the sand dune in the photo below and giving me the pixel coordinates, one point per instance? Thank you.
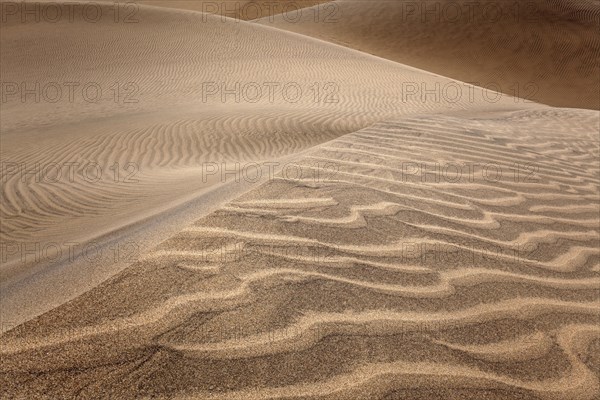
(196, 206)
(100, 123)
(368, 280)
(544, 50)
(124, 10)
(241, 10)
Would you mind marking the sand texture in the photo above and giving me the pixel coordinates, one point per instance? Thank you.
(366, 225)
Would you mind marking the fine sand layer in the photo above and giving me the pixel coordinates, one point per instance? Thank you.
(113, 125)
(359, 277)
(242, 10)
(195, 206)
(547, 51)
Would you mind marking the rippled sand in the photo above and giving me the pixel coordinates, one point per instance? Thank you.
(366, 243)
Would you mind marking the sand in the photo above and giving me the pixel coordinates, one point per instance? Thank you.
(365, 233)
(236, 9)
(547, 51)
(76, 170)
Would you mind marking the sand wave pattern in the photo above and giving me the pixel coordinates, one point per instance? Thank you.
(391, 276)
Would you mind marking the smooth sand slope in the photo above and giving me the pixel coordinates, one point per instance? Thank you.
(544, 50)
(181, 92)
(361, 278)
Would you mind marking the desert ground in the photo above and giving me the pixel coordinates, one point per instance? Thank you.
(300, 200)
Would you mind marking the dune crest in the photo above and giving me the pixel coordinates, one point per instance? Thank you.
(156, 110)
(546, 51)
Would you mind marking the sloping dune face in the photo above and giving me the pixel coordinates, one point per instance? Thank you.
(199, 207)
(425, 257)
(110, 118)
(241, 10)
(544, 50)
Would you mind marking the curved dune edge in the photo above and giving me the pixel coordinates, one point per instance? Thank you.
(545, 50)
(169, 135)
(169, 141)
(377, 321)
(377, 378)
(258, 345)
(569, 262)
(241, 10)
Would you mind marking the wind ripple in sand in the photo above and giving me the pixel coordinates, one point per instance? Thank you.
(376, 379)
(360, 284)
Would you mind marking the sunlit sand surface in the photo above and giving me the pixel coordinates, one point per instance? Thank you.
(265, 209)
